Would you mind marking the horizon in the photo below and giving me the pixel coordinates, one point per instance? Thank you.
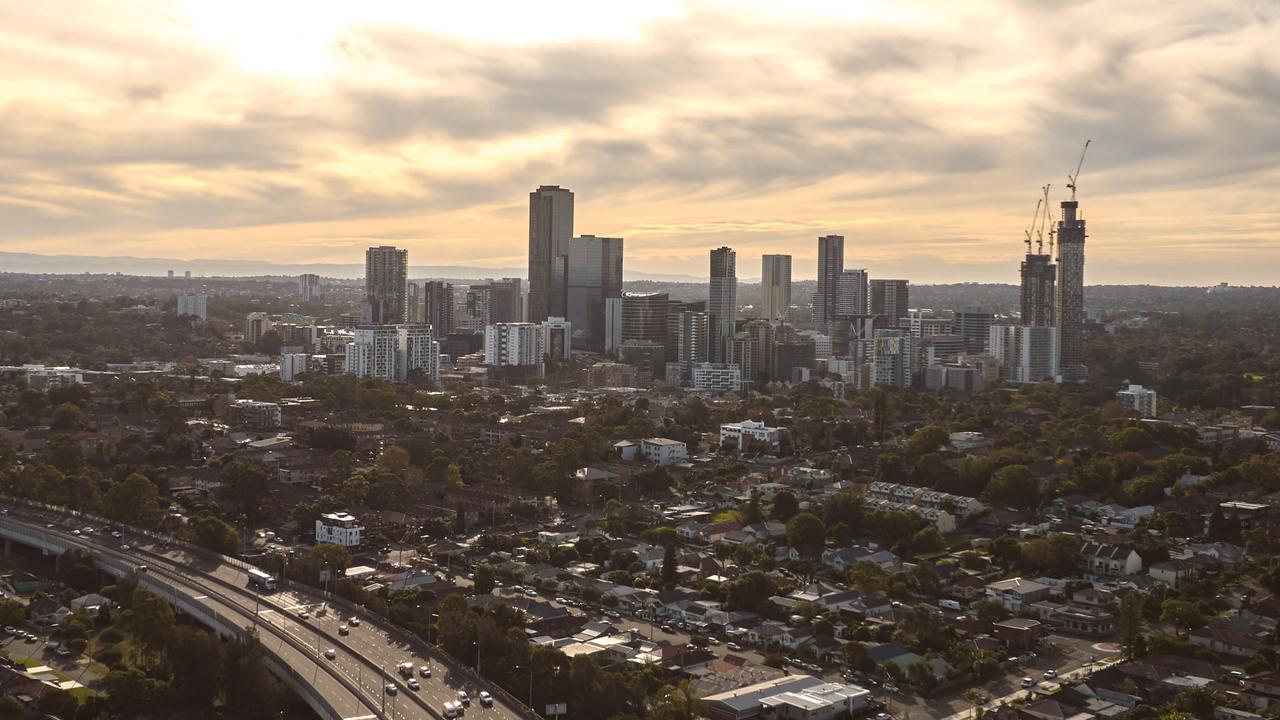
(304, 137)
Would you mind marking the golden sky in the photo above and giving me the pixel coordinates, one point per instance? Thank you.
(922, 131)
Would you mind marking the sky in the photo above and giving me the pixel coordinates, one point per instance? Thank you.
(921, 131)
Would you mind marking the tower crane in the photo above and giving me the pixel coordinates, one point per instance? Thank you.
(1031, 228)
(1043, 219)
(1071, 178)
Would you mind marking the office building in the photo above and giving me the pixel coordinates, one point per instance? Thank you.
(890, 300)
(693, 336)
(513, 344)
(723, 304)
(550, 232)
(937, 349)
(663, 451)
(1069, 307)
(386, 285)
(417, 353)
(557, 338)
(437, 306)
(595, 274)
(256, 324)
(752, 350)
(821, 343)
(852, 294)
(1136, 397)
(891, 359)
(923, 323)
(506, 300)
(751, 433)
(292, 365)
(644, 319)
(196, 306)
(612, 325)
(254, 414)
(975, 327)
(1027, 354)
(826, 297)
(674, 309)
(792, 355)
(473, 314)
(648, 356)
(372, 352)
(775, 287)
(309, 287)
(954, 376)
(1039, 279)
(717, 377)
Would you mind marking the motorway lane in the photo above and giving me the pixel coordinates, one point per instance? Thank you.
(334, 692)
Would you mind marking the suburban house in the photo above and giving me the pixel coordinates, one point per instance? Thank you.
(1016, 593)
(1109, 560)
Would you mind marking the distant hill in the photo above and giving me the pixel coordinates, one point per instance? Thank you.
(79, 264)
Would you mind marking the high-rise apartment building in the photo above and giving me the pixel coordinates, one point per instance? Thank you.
(723, 304)
(1027, 354)
(386, 285)
(550, 231)
(309, 287)
(437, 306)
(372, 352)
(1136, 397)
(852, 294)
(506, 300)
(417, 353)
(508, 344)
(891, 359)
(643, 318)
(693, 335)
(557, 338)
(890, 300)
(975, 327)
(595, 274)
(826, 297)
(256, 324)
(1039, 277)
(196, 306)
(775, 287)
(1070, 294)
(292, 365)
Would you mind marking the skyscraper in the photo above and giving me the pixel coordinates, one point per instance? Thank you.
(506, 300)
(723, 305)
(830, 265)
(643, 318)
(595, 274)
(1070, 293)
(513, 344)
(550, 231)
(692, 333)
(890, 300)
(437, 306)
(975, 327)
(1027, 354)
(1039, 276)
(309, 287)
(851, 294)
(386, 285)
(775, 286)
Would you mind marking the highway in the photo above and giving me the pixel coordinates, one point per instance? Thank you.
(215, 590)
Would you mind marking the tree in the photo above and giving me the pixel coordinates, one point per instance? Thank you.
(749, 592)
(483, 580)
(150, 620)
(1182, 615)
(751, 514)
(806, 529)
(135, 501)
(785, 506)
(669, 573)
(331, 557)
(213, 534)
(928, 540)
(1129, 624)
(1132, 439)
(677, 702)
(244, 486)
(67, 417)
(926, 440)
(1014, 486)
(1057, 555)
(30, 406)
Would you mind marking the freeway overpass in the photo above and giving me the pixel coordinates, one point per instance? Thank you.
(213, 589)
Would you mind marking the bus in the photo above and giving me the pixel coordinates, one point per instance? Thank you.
(261, 580)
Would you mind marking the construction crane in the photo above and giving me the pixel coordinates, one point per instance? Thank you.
(1031, 228)
(1071, 179)
(1052, 228)
(1043, 219)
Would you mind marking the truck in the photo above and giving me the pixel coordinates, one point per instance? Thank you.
(405, 669)
(949, 604)
(261, 580)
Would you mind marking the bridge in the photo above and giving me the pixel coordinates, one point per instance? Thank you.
(214, 590)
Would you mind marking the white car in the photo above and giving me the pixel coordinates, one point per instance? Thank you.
(485, 698)
(733, 646)
(391, 688)
(413, 684)
(353, 621)
(344, 630)
(330, 653)
(424, 671)
(464, 698)
(304, 615)
(1028, 682)
(1050, 674)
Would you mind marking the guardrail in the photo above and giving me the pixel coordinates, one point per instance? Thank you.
(400, 633)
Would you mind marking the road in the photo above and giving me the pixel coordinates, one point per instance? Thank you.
(364, 661)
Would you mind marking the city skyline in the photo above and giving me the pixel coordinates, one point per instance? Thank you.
(309, 139)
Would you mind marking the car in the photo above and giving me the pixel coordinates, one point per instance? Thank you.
(1050, 674)
(1027, 682)
(140, 569)
(391, 688)
(424, 671)
(890, 687)
(353, 621)
(712, 641)
(414, 684)
(486, 699)
(63, 652)
(795, 662)
(450, 710)
(343, 629)
(814, 668)
(30, 639)
(614, 614)
(883, 716)
(666, 629)
(331, 653)
(73, 532)
(125, 547)
(116, 534)
(733, 646)
(48, 525)
(304, 615)
(464, 698)
(9, 630)
(89, 530)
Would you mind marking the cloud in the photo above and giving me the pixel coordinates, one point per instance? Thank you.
(917, 127)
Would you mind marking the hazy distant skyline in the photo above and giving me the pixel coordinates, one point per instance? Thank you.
(922, 132)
